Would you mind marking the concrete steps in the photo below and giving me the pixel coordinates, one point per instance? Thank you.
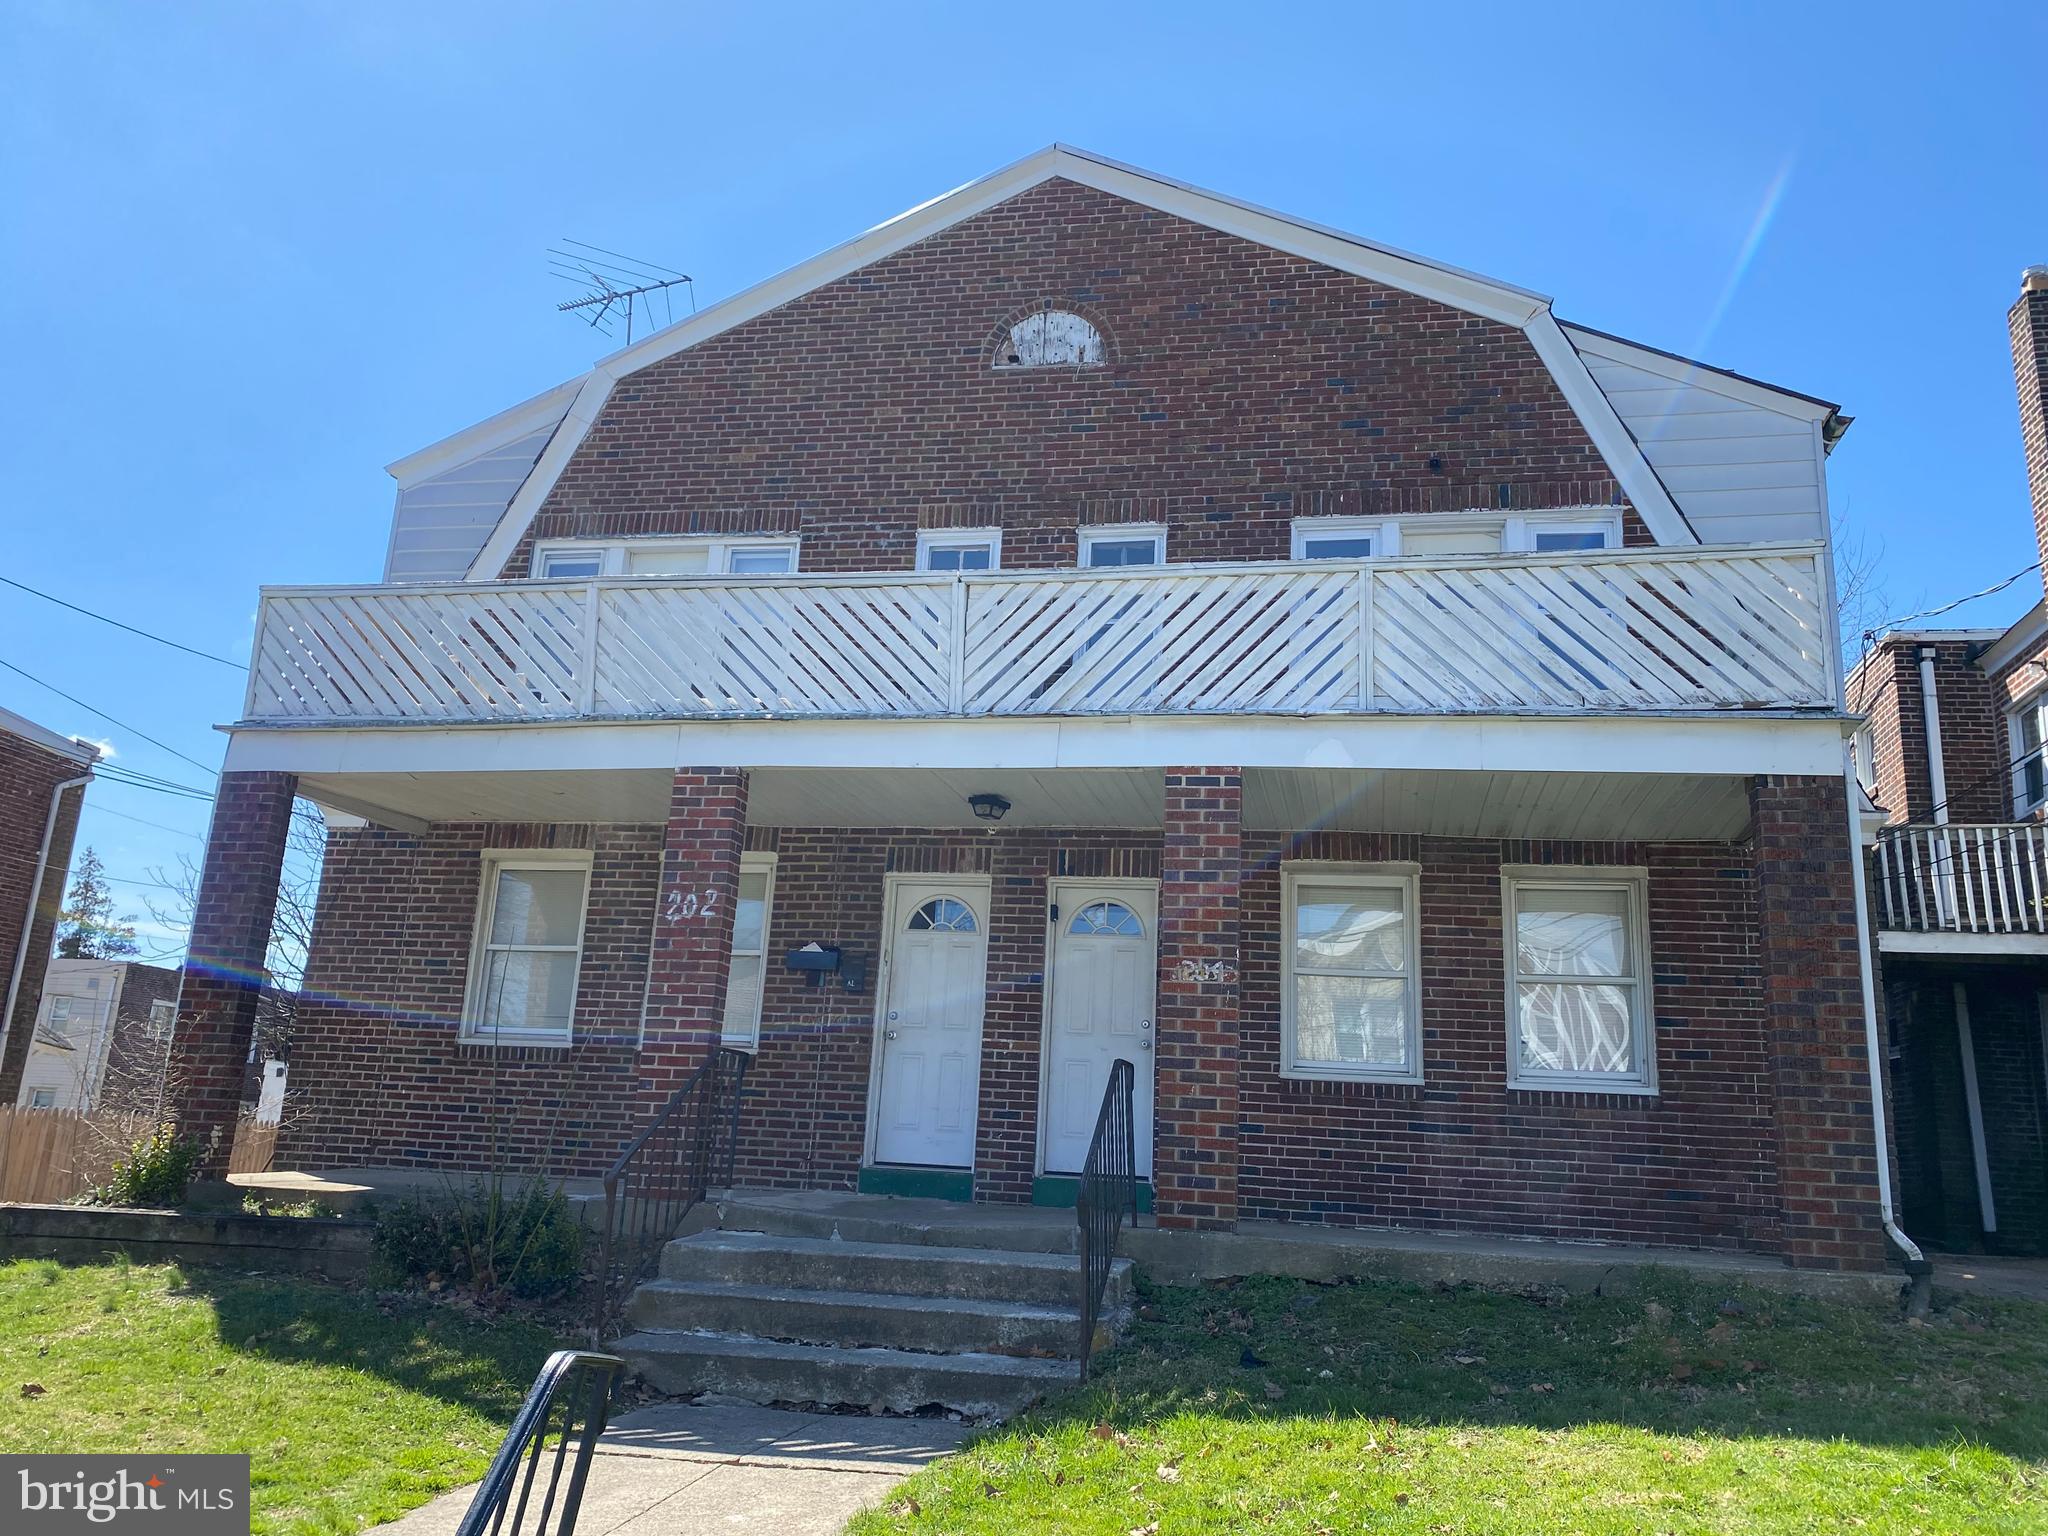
(893, 1325)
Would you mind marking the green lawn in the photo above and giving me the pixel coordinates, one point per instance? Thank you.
(353, 1408)
(1394, 1409)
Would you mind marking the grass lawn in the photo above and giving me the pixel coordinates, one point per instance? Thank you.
(1275, 1406)
(353, 1408)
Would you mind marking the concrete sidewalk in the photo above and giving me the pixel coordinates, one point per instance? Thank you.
(730, 1468)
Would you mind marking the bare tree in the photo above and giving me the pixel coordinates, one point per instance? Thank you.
(1861, 601)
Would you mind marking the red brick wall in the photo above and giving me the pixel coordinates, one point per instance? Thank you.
(1974, 749)
(1813, 1023)
(1759, 1041)
(29, 773)
(693, 922)
(225, 954)
(2027, 322)
(1244, 387)
(378, 1076)
(1696, 1164)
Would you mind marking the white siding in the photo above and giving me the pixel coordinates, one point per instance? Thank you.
(1740, 470)
(441, 521)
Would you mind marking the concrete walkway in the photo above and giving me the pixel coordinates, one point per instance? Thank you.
(735, 1468)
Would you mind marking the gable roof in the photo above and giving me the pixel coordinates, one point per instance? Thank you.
(1453, 286)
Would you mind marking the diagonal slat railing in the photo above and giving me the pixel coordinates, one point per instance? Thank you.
(1610, 631)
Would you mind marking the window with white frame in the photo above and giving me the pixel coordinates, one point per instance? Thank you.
(2027, 729)
(1123, 544)
(529, 947)
(690, 556)
(163, 1014)
(1349, 1006)
(59, 1022)
(1865, 743)
(1578, 979)
(1343, 538)
(42, 1098)
(960, 549)
(750, 923)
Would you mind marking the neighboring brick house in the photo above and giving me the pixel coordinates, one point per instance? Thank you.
(1087, 619)
(102, 1037)
(1951, 748)
(42, 792)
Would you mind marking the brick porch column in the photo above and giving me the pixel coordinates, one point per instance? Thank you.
(691, 951)
(1194, 1167)
(1813, 1023)
(223, 973)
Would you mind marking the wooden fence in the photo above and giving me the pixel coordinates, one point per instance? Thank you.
(51, 1155)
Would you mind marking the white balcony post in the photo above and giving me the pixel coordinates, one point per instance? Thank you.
(956, 660)
(586, 685)
(1363, 589)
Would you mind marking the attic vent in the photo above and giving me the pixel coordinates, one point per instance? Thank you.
(1051, 338)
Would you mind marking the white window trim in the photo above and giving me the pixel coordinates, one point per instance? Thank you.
(47, 1095)
(1519, 534)
(496, 860)
(1635, 881)
(2016, 748)
(719, 548)
(751, 1041)
(929, 538)
(1863, 743)
(1384, 533)
(1089, 534)
(163, 1016)
(1398, 875)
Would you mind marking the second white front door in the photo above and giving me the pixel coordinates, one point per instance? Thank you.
(1104, 960)
(929, 1062)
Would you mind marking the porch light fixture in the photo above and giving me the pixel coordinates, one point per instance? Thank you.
(989, 807)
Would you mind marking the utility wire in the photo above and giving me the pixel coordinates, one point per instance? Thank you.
(68, 698)
(159, 639)
(1929, 613)
(108, 810)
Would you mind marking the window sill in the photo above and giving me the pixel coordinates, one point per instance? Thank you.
(1580, 1087)
(1362, 1079)
(516, 1041)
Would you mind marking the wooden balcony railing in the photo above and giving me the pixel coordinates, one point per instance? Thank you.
(1686, 630)
(1954, 878)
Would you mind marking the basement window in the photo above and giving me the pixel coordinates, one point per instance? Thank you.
(1052, 338)
(1349, 1007)
(1578, 979)
(528, 948)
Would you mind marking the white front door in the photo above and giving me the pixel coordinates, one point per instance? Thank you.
(930, 1057)
(1104, 975)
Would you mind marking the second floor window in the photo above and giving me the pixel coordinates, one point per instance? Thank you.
(1123, 544)
(575, 559)
(2029, 728)
(960, 549)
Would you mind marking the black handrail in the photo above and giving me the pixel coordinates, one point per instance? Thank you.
(1108, 1193)
(662, 1173)
(573, 1381)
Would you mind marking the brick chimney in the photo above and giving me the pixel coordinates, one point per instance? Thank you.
(2028, 320)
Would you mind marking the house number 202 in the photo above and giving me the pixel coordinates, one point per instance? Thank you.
(685, 905)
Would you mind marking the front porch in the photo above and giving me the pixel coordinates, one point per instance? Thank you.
(1421, 1110)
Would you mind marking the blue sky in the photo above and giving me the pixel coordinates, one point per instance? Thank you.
(250, 253)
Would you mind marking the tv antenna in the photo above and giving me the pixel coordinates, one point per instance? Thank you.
(617, 289)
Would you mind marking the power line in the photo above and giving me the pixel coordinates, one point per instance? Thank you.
(68, 698)
(1929, 613)
(108, 810)
(159, 639)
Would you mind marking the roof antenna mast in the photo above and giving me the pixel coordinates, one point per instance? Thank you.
(617, 288)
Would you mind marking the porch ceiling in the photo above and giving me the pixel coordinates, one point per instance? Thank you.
(1593, 806)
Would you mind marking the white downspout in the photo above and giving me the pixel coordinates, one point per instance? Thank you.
(1873, 1048)
(35, 899)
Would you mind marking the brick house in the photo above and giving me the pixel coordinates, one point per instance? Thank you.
(1087, 618)
(42, 794)
(1951, 747)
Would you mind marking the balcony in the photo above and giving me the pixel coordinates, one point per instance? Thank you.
(1952, 887)
(1691, 631)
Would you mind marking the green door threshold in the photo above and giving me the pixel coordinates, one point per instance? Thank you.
(1060, 1189)
(918, 1183)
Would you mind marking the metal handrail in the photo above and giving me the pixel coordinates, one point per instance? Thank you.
(663, 1173)
(1108, 1192)
(572, 1380)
